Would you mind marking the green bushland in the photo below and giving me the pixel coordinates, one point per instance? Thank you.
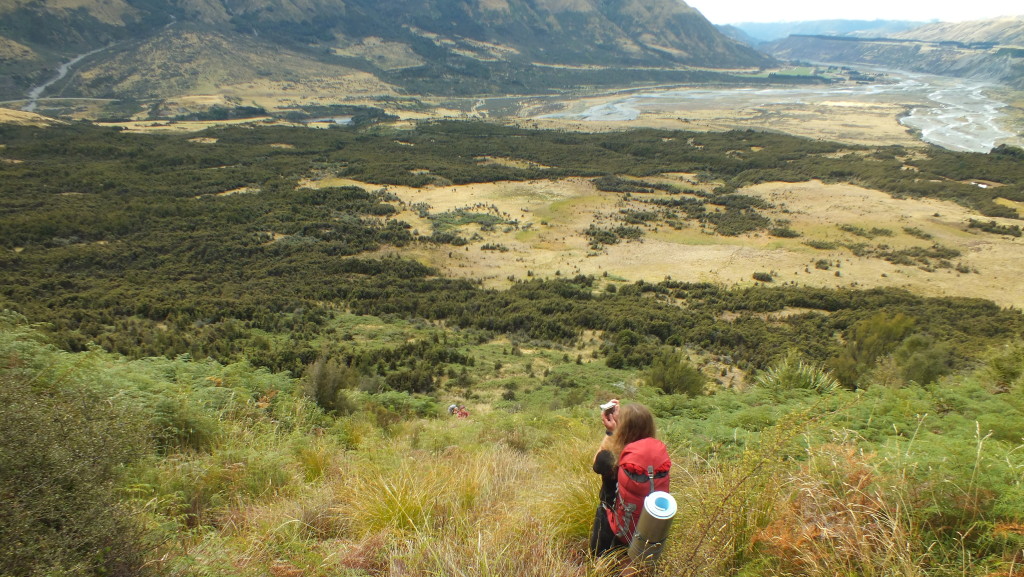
(271, 399)
(926, 258)
(454, 75)
(601, 236)
(995, 228)
(124, 240)
(866, 233)
(917, 233)
(65, 439)
(360, 115)
(821, 244)
(225, 113)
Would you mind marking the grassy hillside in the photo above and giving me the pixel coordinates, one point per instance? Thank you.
(231, 470)
(1008, 31)
(180, 61)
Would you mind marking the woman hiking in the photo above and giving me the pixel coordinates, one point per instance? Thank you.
(632, 463)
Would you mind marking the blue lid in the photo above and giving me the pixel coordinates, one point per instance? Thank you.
(660, 505)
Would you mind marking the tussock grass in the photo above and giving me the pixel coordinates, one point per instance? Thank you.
(889, 481)
(483, 507)
(452, 497)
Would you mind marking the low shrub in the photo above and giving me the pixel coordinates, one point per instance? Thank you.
(63, 446)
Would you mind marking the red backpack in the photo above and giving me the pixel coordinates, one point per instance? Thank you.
(643, 469)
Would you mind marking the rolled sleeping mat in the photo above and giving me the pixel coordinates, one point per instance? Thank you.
(652, 528)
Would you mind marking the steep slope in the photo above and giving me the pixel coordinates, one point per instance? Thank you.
(738, 34)
(37, 35)
(440, 46)
(195, 61)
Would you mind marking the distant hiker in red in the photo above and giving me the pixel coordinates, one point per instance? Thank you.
(462, 412)
(632, 464)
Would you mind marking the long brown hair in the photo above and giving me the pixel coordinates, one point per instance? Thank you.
(634, 422)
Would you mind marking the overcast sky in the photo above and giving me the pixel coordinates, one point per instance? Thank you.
(731, 11)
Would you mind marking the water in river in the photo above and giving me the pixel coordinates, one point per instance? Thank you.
(953, 113)
(962, 118)
(36, 92)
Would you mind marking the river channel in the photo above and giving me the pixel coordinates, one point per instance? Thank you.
(36, 92)
(953, 113)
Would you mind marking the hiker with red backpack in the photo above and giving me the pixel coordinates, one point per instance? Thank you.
(632, 464)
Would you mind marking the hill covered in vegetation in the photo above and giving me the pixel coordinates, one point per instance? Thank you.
(177, 466)
(163, 245)
(169, 244)
(247, 368)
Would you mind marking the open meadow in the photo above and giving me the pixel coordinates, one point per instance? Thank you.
(554, 215)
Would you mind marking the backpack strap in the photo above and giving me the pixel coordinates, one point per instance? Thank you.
(650, 475)
(647, 477)
(623, 514)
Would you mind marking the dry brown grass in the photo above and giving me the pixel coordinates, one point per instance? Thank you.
(432, 498)
(554, 213)
(9, 116)
(113, 12)
(867, 123)
(386, 55)
(11, 50)
(836, 522)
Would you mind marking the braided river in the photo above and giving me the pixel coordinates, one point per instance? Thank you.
(953, 113)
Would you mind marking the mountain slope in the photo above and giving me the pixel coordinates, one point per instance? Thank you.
(189, 61)
(987, 50)
(738, 34)
(1008, 30)
(440, 46)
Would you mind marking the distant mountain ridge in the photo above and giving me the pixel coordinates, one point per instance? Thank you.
(988, 50)
(769, 31)
(440, 46)
(1009, 30)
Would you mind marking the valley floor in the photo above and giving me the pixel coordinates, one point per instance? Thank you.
(554, 215)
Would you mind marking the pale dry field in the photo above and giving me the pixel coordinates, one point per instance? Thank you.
(10, 116)
(353, 87)
(851, 122)
(552, 215)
